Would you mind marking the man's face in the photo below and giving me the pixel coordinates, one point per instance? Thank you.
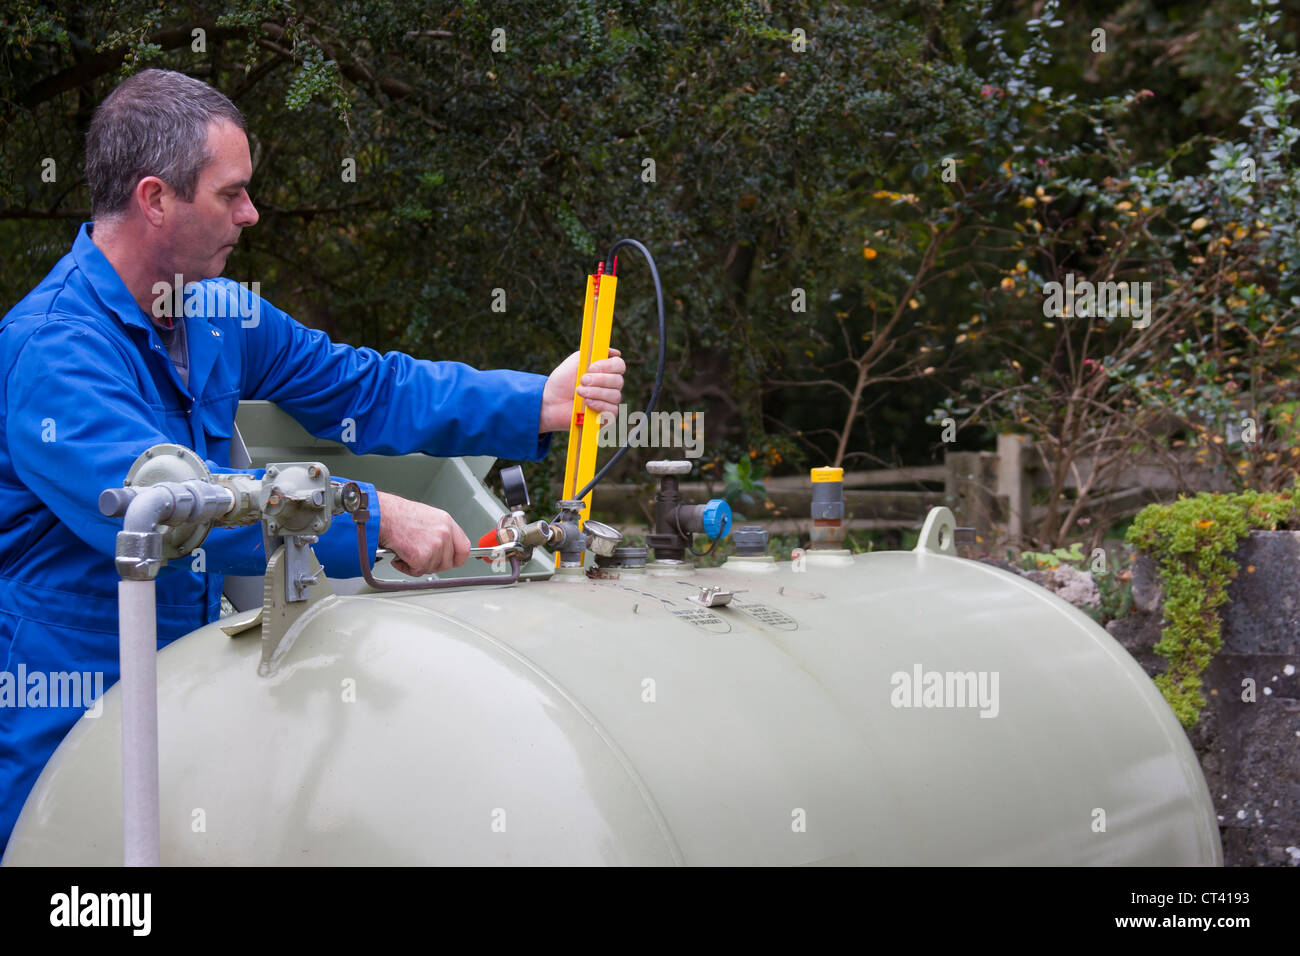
(200, 235)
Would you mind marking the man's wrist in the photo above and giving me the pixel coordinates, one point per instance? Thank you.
(386, 507)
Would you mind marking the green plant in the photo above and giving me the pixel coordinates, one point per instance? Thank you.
(1040, 560)
(743, 488)
(781, 546)
(1193, 541)
(1115, 588)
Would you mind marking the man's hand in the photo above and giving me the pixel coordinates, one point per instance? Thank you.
(425, 539)
(601, 386)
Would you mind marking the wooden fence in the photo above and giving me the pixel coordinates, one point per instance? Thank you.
(989, 492)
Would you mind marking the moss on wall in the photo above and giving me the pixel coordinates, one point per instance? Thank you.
(1193, 541)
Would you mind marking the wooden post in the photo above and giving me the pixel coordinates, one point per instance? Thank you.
(970, 490)
(1015, 480)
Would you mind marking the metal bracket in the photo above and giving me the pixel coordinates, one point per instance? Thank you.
(280, 614)
(713, 595)
(298, 561)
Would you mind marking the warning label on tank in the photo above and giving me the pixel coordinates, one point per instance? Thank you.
(769, 616)
(704, 618)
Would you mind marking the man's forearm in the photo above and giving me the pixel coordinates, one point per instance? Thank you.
(392, 404)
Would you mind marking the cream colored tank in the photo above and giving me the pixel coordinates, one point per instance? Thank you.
(615, 721)
(887, 708)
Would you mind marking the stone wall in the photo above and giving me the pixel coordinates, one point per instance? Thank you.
(1250, 751)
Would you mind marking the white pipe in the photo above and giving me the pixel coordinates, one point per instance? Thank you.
(192, 500)
(138, 647)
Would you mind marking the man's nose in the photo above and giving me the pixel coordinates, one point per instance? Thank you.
(247, 212)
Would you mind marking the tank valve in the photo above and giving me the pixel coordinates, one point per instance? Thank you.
(676, 521)
(512, 534)
(574, 536)
(827, 509)
(527, 537)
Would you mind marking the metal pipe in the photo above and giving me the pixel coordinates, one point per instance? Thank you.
(175, 502)
(149, 508)
(138, 650)
(139, 558)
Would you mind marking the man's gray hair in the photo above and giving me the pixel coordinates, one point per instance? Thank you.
(154, 124)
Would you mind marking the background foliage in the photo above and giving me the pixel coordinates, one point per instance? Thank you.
(776, 168)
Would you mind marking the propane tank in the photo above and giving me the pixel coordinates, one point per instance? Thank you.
(891, 708)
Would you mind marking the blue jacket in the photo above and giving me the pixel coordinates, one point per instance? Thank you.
(88, 386)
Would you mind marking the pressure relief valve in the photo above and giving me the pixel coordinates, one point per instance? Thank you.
(676, 521)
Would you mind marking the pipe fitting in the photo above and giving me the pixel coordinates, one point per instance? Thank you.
(571, 542)
(139, 555)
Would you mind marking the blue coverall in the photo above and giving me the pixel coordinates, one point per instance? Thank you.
(88, 386)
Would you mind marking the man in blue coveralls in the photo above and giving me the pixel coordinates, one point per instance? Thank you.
(94, 376)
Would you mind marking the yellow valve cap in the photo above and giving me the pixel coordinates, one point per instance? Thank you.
(828, 474)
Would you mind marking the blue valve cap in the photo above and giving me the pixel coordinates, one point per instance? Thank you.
(717, 518)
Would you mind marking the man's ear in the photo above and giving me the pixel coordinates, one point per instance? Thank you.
(151, 197)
